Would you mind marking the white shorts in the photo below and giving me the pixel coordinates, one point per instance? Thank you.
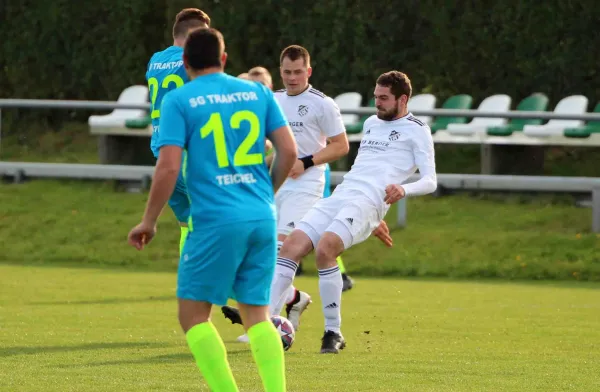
(348, 213)
(291, 208)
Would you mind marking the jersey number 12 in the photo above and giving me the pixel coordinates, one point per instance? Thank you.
(242, 157)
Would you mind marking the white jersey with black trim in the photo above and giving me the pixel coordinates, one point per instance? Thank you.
(390, 152)
(313, 117)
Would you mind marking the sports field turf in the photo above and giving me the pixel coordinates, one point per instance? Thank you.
(78, 223)
(112, 326)
(69, 329)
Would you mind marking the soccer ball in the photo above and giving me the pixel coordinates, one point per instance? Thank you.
(286, 331)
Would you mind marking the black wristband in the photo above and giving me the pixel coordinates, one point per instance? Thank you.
(307, 161)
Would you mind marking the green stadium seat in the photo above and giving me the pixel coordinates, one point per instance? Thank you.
(586, 130)
(457, 102)
(534, 103)
(138, 123)
(358, 127)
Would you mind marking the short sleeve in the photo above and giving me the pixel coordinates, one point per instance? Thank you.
(423, 150)
(330, 122)
(274, 116)
(172, 129)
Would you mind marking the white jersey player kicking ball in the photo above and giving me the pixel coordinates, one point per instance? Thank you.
(314, 119)
(394, 146)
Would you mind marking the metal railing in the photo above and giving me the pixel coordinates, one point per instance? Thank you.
(107, 105)
(20, 171)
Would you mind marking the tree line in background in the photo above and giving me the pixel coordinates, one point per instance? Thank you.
(56, 50)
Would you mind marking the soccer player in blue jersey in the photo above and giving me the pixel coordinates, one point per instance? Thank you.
(165, 73)
(222, 122)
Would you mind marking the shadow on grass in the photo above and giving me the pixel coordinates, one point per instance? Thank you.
(359, 274)
(28, 350)
(108, 301)
(167, 358)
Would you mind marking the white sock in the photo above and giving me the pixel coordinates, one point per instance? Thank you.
(285, 270)
(330, 287)
(290, 295)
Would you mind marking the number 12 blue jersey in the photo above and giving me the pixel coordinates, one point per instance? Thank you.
(222, 122)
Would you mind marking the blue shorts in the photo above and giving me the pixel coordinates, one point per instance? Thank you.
(327, 190)
(179, 201)
(231, 261)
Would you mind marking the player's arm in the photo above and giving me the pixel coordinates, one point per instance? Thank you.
(424, 153)
(284, 144)
(332, 125)
(171, 142)
(336, 148)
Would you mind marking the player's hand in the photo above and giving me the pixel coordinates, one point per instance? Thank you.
(393, 193)
(383, 233)
(141, 235)
(297, 169)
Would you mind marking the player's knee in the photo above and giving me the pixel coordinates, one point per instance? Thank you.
(191, 313)
(296, 246)
(329, 248)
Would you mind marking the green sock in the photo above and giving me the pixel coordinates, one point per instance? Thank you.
(268, 355)
(211, 357)
(184, 233)
(341, 265)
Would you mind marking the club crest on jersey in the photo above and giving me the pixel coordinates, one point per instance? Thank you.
(368, 132)
(394, 135)
(302, 110)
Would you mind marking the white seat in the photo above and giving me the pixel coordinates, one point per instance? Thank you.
(422, 102)
(349, 101)
(573, 104)
(117, 118)
(499, 103)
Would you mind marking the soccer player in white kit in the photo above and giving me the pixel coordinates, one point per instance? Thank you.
(395, 144)
(315, 119)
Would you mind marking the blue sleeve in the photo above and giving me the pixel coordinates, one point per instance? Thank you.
(172, 129)
(274, 117)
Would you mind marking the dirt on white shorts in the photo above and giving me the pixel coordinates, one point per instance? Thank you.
(348, 213)
(291, 208)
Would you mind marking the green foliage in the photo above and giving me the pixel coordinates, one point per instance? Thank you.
(96, 49)
(55, 50)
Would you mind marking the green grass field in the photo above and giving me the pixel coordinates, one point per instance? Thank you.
(86, 224)
(73, 329)
(517, 308)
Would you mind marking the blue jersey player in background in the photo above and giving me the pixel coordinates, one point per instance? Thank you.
(223, 123)
(165, 73)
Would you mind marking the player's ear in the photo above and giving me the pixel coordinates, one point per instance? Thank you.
(404, 99)
(185, 62)
(309, 71)
(223, 59)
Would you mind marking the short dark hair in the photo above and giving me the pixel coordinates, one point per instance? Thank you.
(187, 19)
(398, 83)
(295, 52)
(203, 48)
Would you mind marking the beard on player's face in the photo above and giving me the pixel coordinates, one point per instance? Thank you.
(388, 114)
